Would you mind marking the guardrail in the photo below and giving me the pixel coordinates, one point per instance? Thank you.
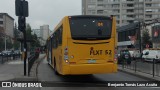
(31, 61)
(147, 67)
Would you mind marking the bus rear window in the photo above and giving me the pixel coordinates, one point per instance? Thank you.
(96, 28)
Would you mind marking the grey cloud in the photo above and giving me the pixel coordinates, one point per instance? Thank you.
(44, 11)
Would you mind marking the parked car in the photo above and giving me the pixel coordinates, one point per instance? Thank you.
(10, 53)
(135, 54)
(3, 53)
(149, 55)
(124, 57)
(17, 52)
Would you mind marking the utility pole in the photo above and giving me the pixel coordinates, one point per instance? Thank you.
(139, 30)
(5, 42)
(22, 12)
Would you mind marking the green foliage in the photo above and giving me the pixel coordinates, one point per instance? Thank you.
(9, 45)
(28, 32)
(16, 44)
(146, 39)
(34, 40)
(1, 44)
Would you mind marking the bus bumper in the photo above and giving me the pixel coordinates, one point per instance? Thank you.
(90, 69)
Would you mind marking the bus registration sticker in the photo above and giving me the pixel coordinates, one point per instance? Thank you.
(92, 61)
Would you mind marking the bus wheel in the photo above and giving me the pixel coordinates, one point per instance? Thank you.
(55, 68)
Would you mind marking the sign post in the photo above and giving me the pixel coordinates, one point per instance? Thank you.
(21, 7)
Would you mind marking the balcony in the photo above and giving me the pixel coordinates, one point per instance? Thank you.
(116, 2)
(128, 2)
(153, 7)
(128, 13)
(126, 7)
(151, 2)
(152, 13)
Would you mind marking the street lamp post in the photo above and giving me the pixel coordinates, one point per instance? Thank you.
(5, 43)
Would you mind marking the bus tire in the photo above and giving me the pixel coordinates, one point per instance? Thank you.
(55, 68)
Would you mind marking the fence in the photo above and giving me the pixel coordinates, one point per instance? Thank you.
(152, 67)
(33, 57)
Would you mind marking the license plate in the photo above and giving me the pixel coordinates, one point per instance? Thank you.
(91, 61)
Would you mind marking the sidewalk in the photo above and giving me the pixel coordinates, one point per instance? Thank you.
(139, 74)
(14, 70)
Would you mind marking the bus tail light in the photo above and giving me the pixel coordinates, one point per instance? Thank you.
(66, 61)
(115, 56)
(66, 54)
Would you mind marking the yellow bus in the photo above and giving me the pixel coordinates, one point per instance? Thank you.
(83, 44)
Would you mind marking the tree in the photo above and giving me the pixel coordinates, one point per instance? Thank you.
(16, 44)
(1, 44)
(146, 39)
(31, 37)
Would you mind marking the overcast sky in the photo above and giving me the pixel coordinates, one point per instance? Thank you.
(42, 12)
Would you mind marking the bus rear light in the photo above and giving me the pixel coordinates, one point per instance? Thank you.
(66, 54)
(115, 59)
(66, 61)
(66, 49)
(115, 56)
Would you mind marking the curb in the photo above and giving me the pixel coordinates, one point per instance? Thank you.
(140, 74)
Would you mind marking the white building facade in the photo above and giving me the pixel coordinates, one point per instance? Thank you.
(125, 11)
(42, 33)
(7, 25)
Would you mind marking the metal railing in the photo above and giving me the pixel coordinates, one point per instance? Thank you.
(31, 61)
(147, 67)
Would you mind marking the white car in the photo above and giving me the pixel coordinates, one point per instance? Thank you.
(135, 54)
(149, 55)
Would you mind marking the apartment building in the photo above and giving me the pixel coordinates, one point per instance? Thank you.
(37, 32)
(6, 25)
(125, 11)
(44, 33)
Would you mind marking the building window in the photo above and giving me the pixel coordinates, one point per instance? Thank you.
(100, 6)
(91, 0)
(1, 16)
(91, 6)
(1, 22)
(91, 12)
(57, 37)
(100, 0)
(99, 11)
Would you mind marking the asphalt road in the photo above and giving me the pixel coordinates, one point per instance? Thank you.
(46, 73)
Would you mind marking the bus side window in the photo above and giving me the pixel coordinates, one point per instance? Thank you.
(60, 35)
(54, 41)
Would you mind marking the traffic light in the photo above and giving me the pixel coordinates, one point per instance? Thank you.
(21, 8)
(21, 23)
